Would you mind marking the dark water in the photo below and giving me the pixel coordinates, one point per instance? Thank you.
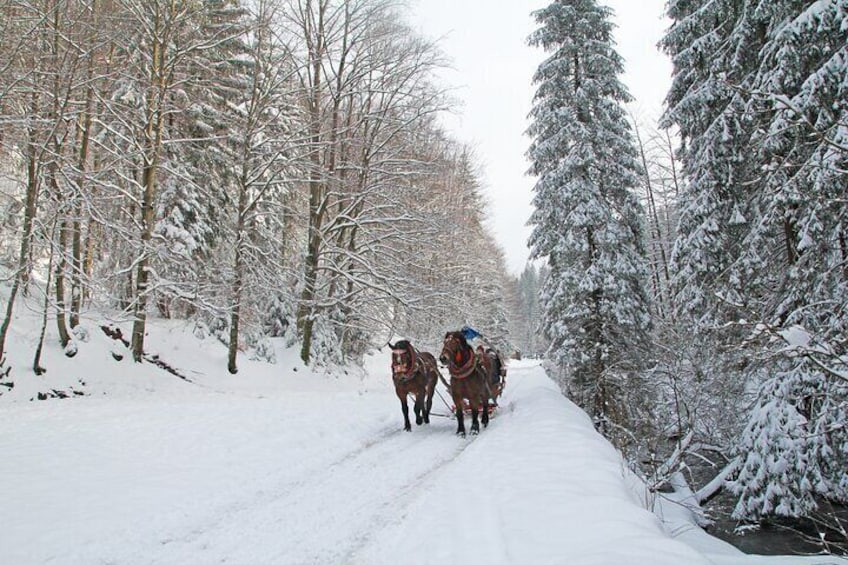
(764, 539)
(786, 537)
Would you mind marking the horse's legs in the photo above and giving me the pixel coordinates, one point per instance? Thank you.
(475, 423)
(405, 408)
(428, 404)
(489, 392)
(419, 407)
(485, 411)
(460, 417)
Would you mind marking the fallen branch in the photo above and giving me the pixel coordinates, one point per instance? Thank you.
(116, 334)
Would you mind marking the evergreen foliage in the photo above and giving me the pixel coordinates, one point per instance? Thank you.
(526, 312)
(587, 222)
(794, 447)
(759, 96)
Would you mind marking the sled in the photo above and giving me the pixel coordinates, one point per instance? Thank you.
(493, 400)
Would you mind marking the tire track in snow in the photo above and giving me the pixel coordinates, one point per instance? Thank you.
(325, 516)
(395, 510)
(280, 490)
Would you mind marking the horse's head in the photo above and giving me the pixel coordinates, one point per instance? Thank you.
(403, 358)
(455, 350)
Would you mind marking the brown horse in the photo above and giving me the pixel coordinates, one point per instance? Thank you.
(469, 380)
(414, 372)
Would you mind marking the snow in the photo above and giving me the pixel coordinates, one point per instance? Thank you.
(279, 464)
(796, 336)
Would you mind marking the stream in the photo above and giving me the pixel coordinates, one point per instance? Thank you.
(783, 537)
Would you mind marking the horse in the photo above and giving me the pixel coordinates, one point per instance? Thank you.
(469, 372)
(414, 372)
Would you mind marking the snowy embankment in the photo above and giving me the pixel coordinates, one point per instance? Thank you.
(278, 465)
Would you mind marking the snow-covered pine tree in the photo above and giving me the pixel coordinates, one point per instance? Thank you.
(715, 128)
(199, 177)
(795, 257)
(793, 447)
(525, 313)
(587, 221)
(804, 156)
(759, 96)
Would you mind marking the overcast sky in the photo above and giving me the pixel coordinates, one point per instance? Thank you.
(492, 69)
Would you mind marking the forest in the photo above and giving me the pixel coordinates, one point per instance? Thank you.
(269, 170)
(705, 327)
(276, 169)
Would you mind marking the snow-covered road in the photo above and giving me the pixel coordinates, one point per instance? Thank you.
(325, 514)
(320, 475)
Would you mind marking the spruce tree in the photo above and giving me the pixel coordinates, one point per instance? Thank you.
(715, 129)
(587, 221)
(759, 98)
(528, 340)
(795, 257)
(199, 185)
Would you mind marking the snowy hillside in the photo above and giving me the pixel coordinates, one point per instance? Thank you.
(280, 465)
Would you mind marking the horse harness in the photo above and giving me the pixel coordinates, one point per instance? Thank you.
(465, 369)
(409, 371)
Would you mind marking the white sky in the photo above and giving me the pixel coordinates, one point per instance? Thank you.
(486, 41)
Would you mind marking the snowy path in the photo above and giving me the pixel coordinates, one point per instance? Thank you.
(320, 476)
(325, 514)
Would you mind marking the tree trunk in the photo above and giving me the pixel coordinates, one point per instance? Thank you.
(61, 264)
(657, 235)
(152, 143)
(238, 280)
(305, 314)
(317, 189)
(595, 334)
(142, 281)
(235, 310)
(36, 361)
(76, 229)
(790, 236)
(93, 229)
(21, 275)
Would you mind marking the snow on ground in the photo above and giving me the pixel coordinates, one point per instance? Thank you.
(280, 465)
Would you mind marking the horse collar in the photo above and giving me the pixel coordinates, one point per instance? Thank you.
(464, 370)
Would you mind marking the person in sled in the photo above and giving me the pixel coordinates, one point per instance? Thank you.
(473, 337)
